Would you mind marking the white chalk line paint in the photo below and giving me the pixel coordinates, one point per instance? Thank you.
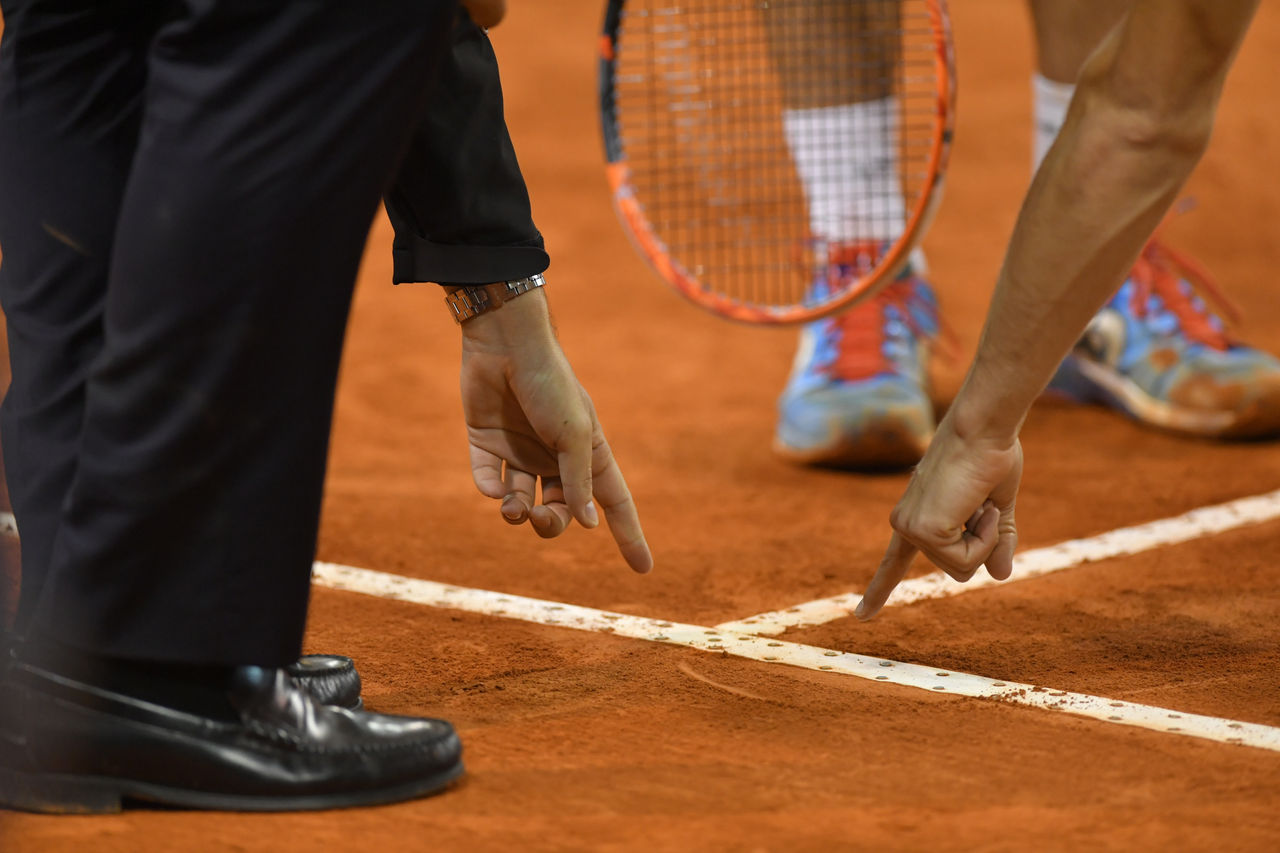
(1035, 563)
(754, 647)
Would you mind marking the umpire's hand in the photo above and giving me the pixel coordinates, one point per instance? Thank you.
(958, 510)
(525, 408)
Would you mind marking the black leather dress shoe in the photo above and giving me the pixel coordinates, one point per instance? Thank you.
(330, 679)
(66, 746)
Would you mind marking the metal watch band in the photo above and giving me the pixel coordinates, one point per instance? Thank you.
(473, 300)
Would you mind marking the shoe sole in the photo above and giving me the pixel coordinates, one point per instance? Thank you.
(887, 444)
(69, 794)
(1085, 381)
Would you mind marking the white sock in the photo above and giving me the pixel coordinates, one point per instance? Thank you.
(847, 157)
(1050, 101)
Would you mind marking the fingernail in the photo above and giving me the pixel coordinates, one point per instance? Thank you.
(593, 517)
(512, 510)
(859, 610)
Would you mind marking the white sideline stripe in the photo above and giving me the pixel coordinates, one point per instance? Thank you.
(1205, 521)
(8, 524)
(758, 648)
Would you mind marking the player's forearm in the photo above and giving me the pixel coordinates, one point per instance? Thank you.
(1138, 125)
(1084, 221)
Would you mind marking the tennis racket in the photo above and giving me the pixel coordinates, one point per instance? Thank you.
(776, 160)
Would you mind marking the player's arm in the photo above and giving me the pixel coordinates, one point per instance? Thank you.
(1139, 122)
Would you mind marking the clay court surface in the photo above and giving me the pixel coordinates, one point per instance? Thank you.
(580, 740)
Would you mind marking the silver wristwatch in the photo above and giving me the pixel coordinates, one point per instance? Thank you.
(473, 300)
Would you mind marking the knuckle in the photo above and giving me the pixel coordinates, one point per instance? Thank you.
(601, 457)
(620, 504)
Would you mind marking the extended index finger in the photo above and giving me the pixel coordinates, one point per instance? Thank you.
(893, 568)
(620, 514)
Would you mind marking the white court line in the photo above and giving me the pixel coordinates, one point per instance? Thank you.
(752, 647)
(1035, 563)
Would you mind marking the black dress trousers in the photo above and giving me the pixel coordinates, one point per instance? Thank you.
(185, 190)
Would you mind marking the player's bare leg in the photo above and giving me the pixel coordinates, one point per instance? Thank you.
(858, 392)
(1156, 351)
